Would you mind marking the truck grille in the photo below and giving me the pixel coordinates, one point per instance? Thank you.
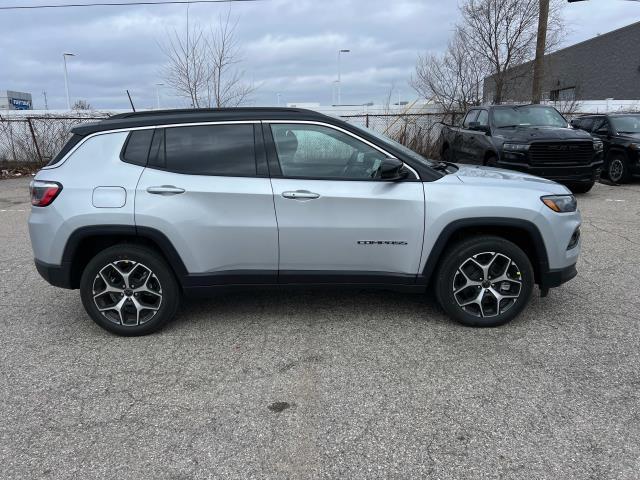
(561, 153)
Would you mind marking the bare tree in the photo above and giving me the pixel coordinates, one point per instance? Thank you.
(452, 80)
(503, 33)
(81, 105)
(202, 66)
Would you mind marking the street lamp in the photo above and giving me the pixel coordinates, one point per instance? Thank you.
(340, 52)
(66, 76)
(158, 85)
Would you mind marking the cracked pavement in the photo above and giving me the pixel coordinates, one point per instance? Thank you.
(328, 384)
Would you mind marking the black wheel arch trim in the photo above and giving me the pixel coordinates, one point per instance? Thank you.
(62, 273)
(542, 264)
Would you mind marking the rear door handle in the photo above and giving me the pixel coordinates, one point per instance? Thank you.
(301, 195)
(165, 190)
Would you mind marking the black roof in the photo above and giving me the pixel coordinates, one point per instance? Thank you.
(166, 117)
(518, 105)
(611, 114)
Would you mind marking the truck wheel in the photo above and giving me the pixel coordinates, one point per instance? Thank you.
(581, 187)
(446, 154)
(617, 168)
(485, 281)
(491, 161)
(129, 290)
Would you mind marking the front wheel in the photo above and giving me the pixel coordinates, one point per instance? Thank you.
(581, 187)
(129, 290)
(485, 281)
(446, 154)
(491, 161)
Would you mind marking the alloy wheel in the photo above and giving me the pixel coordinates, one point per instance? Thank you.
(487, 284)
(127, 293)
(616, 170)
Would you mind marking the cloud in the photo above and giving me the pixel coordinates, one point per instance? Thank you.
(289, 46)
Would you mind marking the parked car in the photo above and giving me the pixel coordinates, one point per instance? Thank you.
(143, 208)
(620, 134)
(530, 138)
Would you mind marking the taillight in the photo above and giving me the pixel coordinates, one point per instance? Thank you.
(43, 193)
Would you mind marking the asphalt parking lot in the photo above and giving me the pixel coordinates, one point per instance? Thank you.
(328, 384)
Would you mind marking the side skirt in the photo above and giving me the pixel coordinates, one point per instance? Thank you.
(206, 284)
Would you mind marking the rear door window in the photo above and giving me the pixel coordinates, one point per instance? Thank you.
(224, 150)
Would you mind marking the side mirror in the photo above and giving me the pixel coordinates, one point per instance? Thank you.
(602, 131)
(480, 128)
(392, 169)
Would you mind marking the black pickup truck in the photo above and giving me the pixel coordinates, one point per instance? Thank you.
(535, 139)
(620, 133)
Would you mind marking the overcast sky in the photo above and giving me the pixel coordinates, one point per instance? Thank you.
(289, 46)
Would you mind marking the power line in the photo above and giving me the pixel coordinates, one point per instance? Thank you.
(119, 4)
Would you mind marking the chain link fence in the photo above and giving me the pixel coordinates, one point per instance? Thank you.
(418, 131)
(31, 141)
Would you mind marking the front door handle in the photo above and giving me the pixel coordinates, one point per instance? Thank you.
(301, 195)
(165, 190)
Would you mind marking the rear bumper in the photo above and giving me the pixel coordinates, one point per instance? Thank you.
(56, 275)
(556, 277)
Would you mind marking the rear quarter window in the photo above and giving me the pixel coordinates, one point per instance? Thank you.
(136, 148)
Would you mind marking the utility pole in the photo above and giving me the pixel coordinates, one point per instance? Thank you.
(538, 64)
(66, 77)
(339, 85)
(46, 104)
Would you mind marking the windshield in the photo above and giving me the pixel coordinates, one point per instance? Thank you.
(398, 146)
(626, 124)
(527, 116)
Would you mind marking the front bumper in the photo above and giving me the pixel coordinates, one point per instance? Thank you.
(555, 277)
(578, 173)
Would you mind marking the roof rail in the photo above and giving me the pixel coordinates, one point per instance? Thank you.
(182, 111)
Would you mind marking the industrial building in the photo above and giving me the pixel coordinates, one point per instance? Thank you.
(603, 67)
(10, 100)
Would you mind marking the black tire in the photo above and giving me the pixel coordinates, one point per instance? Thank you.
(158, 293)
(491, 161)
(618, 168)
(446, 154)
(518, 275)
(581, 187)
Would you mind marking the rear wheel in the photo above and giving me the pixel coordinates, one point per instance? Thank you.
(484, 281)
(129, 290)
(617, 168)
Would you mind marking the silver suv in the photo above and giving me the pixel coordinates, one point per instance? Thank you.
(142, 209)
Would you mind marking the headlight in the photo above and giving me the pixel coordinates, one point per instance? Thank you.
(560, 203)
(516, 147)
(598, 145)
(634, 146)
